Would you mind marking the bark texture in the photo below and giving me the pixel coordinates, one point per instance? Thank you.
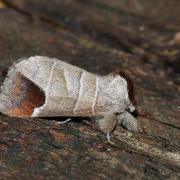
(136, 36)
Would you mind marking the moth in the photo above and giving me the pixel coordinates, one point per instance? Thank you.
(47, 87)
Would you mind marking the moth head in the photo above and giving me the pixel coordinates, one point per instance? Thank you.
(130, 89)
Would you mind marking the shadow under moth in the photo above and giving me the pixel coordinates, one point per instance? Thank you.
(47, 87)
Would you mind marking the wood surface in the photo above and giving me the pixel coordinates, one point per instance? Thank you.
(139, 37)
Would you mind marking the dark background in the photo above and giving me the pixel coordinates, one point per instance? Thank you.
(140, 37)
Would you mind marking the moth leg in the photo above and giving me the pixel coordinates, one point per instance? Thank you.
(128, 121)
(109, 138)
(65, 121)
(107, 124)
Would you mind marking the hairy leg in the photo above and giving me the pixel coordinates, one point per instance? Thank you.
(128, 121)
(107, 124)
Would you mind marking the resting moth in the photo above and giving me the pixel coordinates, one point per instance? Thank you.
(47, 87)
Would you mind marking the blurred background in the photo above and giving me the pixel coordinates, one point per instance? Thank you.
(93, 30)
